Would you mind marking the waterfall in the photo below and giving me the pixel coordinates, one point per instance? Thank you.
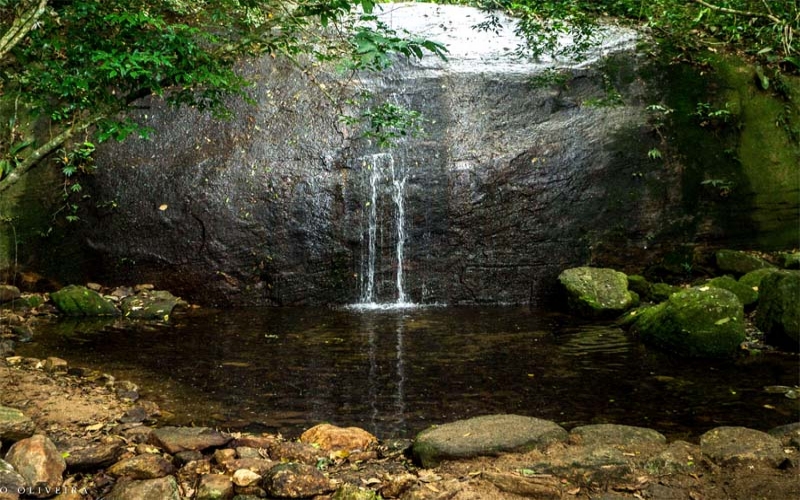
(386, 180)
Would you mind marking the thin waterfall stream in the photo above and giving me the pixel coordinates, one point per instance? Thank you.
(386, 180)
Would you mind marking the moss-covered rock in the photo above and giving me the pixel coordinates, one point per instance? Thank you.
(738, 263)
(790, 260)
(157, 304)
(700, 322)
(746, 295)
(753, 278)
(640, 285)
(662, 291)
(778, 314)
(77, 300)
(596, 292)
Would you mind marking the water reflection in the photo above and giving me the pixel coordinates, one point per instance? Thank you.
(395, 372)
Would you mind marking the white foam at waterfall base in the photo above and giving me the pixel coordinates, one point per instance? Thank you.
(382, 306)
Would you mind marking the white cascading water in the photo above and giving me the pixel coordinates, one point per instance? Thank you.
(384, 171)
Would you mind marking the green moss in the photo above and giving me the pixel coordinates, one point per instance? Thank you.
(76, 300)
(698, 322)
(596, 292)
(753, 278)
(778, 314)
(744, 293)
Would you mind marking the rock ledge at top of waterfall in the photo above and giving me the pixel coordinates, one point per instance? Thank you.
(471, 50)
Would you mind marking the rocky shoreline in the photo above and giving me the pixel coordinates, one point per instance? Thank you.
(118, 452)
(71, 433)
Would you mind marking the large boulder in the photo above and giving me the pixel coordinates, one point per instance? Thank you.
(482, 436)
(701, 321)
(778, 314)
(596, 292)
(75, 300)
(753, 278)
(738, 263)
(177, 439)
(740, 445)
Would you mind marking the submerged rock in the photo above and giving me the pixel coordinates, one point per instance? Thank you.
(702, 322)
(75, 300)
(596, 292)
(778, 314)
(738, 263)
(487, 435)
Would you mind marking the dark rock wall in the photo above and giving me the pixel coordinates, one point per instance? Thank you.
(510, 184)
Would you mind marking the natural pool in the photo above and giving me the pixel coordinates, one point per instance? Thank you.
(395, 372)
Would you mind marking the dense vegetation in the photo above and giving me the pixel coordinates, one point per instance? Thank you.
(79, 64)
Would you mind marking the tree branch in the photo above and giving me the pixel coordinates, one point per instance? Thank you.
(726, 10)
(33, 160)
(21, 26)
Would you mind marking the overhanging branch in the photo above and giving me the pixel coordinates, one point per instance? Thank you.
(31, 161)
(21, 26)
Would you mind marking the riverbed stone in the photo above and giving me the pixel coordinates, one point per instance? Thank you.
(39, 462)
(738, 263)
(679, 457)
(352, 492)
(660, 292)
(292, 480)
(746, 295)
(596, 292)
(10, 480)
(177, 439)
(623, 436)
(788, 435)
(332, 438)
(146, 466)
(163, 488)
(740, 445)
(290, 451)
(484, 436)
(91, 456)
(9, 293)
(697, 322)
(245, 477)
(75, 300)
(15, 425)
(157, 305)
(778, 313)
(215, 487)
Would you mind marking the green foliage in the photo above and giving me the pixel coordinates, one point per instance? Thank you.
(374, 48)
(74, 163)
(387, 123)
(684, 28)
(84, 63)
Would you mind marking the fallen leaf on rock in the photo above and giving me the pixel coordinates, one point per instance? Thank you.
(429, 478)
(94, 427)
(163, 207)
(371, 481)
(433, 488)
(574, 491)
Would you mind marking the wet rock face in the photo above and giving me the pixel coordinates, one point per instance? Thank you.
(512, 183)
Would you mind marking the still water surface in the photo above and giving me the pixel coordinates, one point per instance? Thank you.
(396, 372)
